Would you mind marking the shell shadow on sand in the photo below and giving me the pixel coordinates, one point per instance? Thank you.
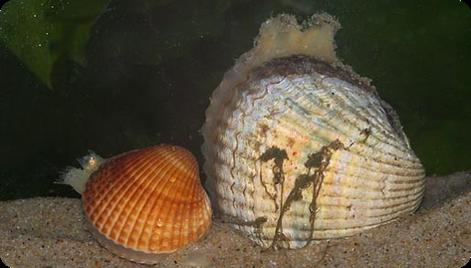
(51, 232)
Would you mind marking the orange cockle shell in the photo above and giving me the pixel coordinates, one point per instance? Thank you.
(147, 201)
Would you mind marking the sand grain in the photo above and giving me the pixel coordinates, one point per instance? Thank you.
(50, 232)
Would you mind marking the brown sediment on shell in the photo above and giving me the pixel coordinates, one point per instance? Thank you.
(300, 64)
(318, 161)
(146, 202)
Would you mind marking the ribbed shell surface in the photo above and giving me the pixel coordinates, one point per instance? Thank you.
(149, 200)
(303, 151)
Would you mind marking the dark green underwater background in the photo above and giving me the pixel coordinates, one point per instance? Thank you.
(115, 76)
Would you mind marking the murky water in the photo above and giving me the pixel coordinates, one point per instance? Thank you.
(145, 74)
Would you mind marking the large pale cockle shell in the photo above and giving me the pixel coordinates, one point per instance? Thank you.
(298, 147)
(144, 202)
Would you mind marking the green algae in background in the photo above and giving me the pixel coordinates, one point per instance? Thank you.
(41, 33)
(133, 73)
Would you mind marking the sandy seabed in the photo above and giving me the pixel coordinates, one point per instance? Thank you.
(51, 232)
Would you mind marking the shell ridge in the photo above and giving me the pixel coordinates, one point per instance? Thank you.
(372, 114)
(238, 91)
(369, 190)
(371, 219)
(123, 215)
(371, 119)
(335, 201)
(122, 219)
(364, 204)
(176, 216)
(93, 181)
(156, 183)
(335, 98)
(252, 99)
(198, 200)
(414, 171)
(325, 139)
(158, 203)
(187, 215)
(195, 219)
(117, 183)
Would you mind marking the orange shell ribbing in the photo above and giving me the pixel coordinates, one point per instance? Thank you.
(149, 200)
